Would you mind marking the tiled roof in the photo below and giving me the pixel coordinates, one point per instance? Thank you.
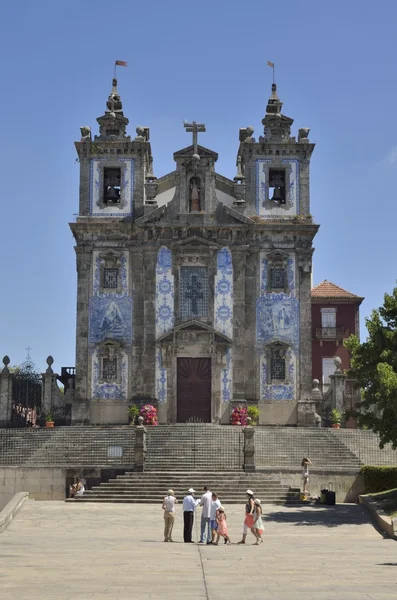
(327, 289)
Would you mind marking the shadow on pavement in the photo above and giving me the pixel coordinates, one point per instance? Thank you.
(318, 515)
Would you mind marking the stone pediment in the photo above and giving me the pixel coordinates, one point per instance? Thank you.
(192, 328)
(205, 152)
(196, 240)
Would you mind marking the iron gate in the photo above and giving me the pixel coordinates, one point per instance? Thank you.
(27, 390)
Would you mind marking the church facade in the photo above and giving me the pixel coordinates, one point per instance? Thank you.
(194, 290)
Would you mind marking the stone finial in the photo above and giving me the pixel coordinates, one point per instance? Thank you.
(50, 362)
(277, 127)
(245, 134)
(6, 362)
(337, 363)
(112, 125)
(140, 421)
(85, 133)
(303, 135)
(142, 134)
(316, 392)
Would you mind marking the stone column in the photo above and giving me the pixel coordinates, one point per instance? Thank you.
(80, 407)
(140, 445)
(249, 449)
(338, 380)
(5, 394)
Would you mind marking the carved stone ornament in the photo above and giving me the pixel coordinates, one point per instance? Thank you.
(303, 135)
(6, 362)
(305, 264)
(85, 133)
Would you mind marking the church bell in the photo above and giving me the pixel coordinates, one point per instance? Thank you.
(112, 195)
(277, 197)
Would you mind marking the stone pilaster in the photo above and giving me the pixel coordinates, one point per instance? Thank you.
(304, 262)
(80, 407)
(240, 361)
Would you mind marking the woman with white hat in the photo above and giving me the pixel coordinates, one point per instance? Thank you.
(249, 515)
(168, 507)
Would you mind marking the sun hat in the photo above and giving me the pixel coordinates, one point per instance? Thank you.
(170, 492)
(250, 492)
(221, 509)
(257, 501)
(191, 491)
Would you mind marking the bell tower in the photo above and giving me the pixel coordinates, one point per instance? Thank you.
(274, 173)
(113, 172)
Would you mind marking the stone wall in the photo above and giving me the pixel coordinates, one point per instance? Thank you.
(347, 486)
(41, 483)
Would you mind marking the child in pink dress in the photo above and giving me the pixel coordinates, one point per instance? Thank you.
(222, 527)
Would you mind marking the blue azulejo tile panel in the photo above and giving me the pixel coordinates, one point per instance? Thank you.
(110, 318)
(161, 378)
(264, 269)
(165, 292)
(223, 305)
(110, 313)
(277, 319)
(126, 206)
(227, 377)
(109, 391)
(264, 207)
(285, 390)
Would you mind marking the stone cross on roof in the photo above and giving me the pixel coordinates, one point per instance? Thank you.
(195, 128)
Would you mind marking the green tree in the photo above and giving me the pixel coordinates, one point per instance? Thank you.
(374, 366)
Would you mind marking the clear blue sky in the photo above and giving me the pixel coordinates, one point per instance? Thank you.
(336, 73)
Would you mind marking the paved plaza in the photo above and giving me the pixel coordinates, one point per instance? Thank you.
(67, 551)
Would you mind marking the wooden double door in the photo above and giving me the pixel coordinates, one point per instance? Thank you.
(193, 389)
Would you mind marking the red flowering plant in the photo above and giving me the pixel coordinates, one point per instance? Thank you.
(239, 416)
(149, 414)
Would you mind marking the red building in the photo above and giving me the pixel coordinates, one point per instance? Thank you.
(335, 316)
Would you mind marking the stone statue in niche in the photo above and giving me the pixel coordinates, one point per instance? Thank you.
(195, 194)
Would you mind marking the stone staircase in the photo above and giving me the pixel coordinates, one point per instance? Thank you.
(285, 447)
(152, 486)
(68, 447)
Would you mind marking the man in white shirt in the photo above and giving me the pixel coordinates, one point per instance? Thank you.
(189, 505)
(216, 503)
(206, 502)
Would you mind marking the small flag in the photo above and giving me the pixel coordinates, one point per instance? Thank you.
(121, 63)
(270, 64)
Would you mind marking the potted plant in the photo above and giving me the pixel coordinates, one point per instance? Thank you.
(335, 418)
(49, 420)
(253, 412)
(133, 414)
(239, 416)
(149, 414)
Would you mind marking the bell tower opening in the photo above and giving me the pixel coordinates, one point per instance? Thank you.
(111, 185)
(277, 186)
